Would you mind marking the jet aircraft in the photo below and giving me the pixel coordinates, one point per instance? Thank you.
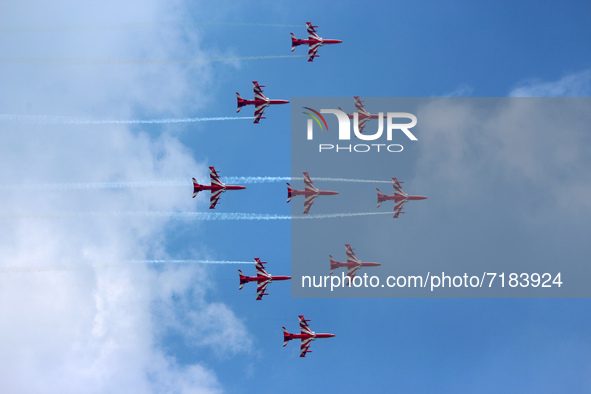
(216, 187)
(307, 336)
(399, 197)
(314, 42)
(363, 116)
(353, 264)
(260, 102)
(263, 278)
(310, 192)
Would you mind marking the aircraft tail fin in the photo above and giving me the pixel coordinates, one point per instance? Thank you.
(380, 197)
(294, 42)
(195, 187)
(333, 265)
(286, 336)
(290, 191)
(242, 280)
(240, 102)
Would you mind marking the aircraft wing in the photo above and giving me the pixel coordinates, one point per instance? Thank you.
(398, 207)
(215, 179)
(312, 35)
(308, 183)
(398, 187)
(215, 196)
(359, 107)
(351, 255)
(308, 202)
(312, 49)
(261, 271)
(258, 112)
(305, 341)
(361, 124)
(261, 287)
(305, 345)
(258, 91)
(352, 271)
(304, 325)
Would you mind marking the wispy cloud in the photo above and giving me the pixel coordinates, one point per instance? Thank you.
(482, 148)
(98, 330)
(571, 85)
(460, 91)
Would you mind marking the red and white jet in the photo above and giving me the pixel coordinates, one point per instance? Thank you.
(353, 264)
(399, 197)
(307, 336)
(363, 116)
(216, 187)
(263, 278)
(310, 192)
(260, 102)
(314, 42)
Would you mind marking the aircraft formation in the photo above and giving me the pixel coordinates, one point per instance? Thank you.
(310, 193)
(260, 101)
(217, 187)
(263, 278)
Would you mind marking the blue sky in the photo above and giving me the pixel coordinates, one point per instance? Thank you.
(189, 329)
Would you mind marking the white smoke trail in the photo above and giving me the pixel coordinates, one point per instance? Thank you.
(340, 215)
(190, 261)
(128, 26)
(344, 180)
(94, 185)
(167, 183)
(104, 62)
(205, 216)
(270, 179)
(75, 267)
(48, 119)
(249, 24)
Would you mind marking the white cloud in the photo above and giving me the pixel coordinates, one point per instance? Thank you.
(462, 90)
(516, 141)
(97, 329)
(494, 149)
(571, 85)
